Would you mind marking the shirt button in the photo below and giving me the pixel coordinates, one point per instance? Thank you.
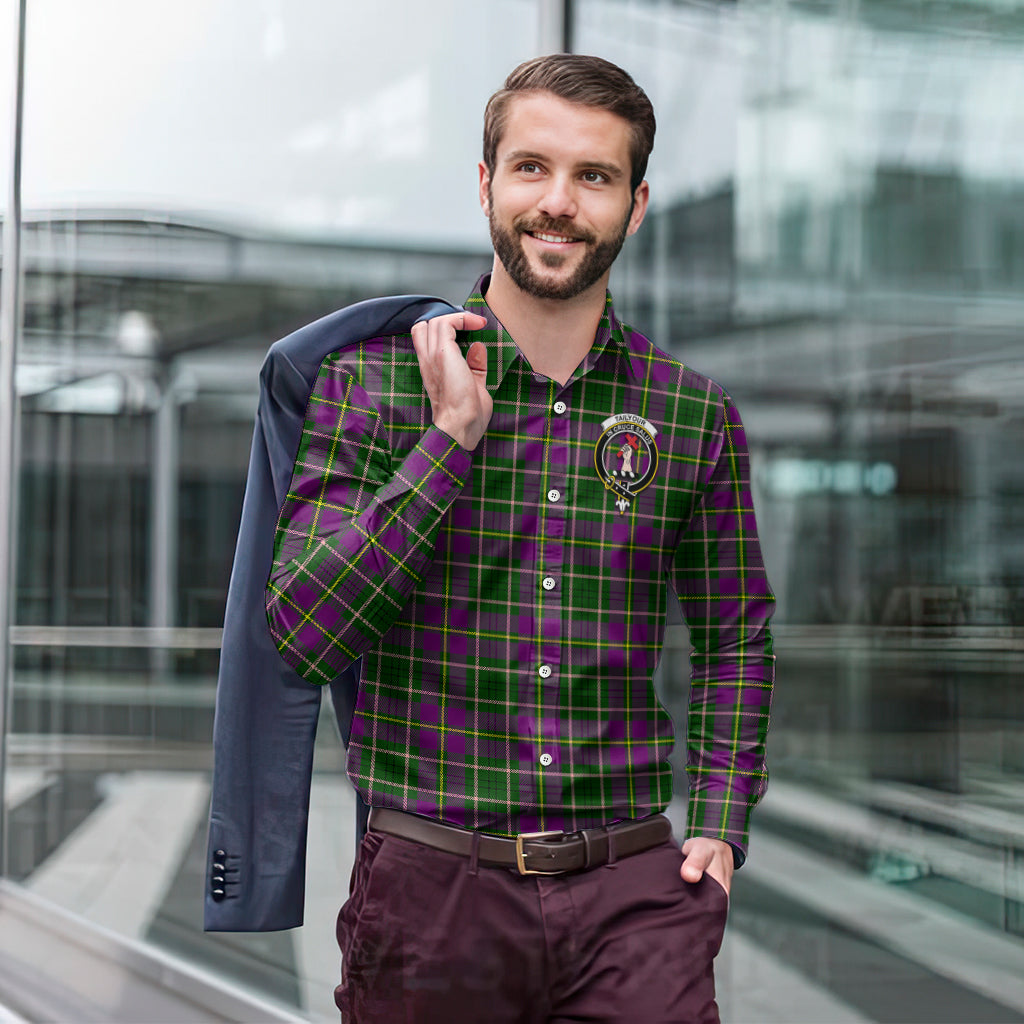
(554, 495)
(548, 583)
(544, 671)
(560, 407)
(545, 759)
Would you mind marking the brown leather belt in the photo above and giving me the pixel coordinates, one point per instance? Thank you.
(531, 853)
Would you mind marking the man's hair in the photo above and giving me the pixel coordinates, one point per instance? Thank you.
(591, 81)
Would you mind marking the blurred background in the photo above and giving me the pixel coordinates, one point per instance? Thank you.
(836, 235)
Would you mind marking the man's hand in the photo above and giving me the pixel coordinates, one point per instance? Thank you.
(711, 855)
(456, 387)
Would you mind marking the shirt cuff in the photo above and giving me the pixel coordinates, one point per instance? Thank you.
(446, 454)
(722, 815)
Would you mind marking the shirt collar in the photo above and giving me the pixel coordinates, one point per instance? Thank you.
(502, 352)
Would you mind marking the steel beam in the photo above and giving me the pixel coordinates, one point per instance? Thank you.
(10, 324)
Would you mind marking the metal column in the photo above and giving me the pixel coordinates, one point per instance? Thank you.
(10, 318)
(554, 26)
(163, 546)
(163, 549)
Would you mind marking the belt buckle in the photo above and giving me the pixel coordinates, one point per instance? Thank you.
(520, 856)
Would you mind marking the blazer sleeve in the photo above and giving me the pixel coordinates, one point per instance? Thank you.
(266, 715)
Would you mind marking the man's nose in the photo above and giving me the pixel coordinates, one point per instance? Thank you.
(559, 199)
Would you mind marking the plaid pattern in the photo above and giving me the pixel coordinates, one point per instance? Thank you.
(509, 618)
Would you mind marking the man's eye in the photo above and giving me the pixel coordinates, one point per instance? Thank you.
(593, 177)
(529, 168)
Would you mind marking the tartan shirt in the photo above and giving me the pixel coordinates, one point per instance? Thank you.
(509, 606)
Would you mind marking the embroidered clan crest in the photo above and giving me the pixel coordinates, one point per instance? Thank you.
(626, 457)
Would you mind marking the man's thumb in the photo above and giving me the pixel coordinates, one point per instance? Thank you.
(477, 357)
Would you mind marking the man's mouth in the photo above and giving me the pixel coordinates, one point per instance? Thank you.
(545, 236)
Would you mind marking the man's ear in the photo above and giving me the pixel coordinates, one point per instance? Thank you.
(641, 197)
(485, 184)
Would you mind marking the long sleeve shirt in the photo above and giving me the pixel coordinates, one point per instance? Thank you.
(509, 603)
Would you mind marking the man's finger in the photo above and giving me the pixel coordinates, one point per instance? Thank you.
(441, 330)
(463, 320)
(419, 336)
(472, 321)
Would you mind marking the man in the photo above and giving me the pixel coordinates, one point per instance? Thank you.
(463, 519)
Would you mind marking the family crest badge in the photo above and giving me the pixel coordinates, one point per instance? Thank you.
(626, 456)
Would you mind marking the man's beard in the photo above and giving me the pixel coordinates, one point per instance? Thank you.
(508, 247)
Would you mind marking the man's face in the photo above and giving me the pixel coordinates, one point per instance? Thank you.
(559, 203)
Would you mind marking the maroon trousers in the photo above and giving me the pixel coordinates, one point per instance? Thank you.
(432, 938)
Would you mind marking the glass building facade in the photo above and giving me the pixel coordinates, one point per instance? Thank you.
(836, 235)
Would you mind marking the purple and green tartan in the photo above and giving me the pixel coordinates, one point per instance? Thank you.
(488, 698)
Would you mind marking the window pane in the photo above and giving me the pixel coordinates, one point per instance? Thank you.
(200, 179)
(836, 236)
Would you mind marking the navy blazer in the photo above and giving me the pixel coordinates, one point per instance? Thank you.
(266, 714)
